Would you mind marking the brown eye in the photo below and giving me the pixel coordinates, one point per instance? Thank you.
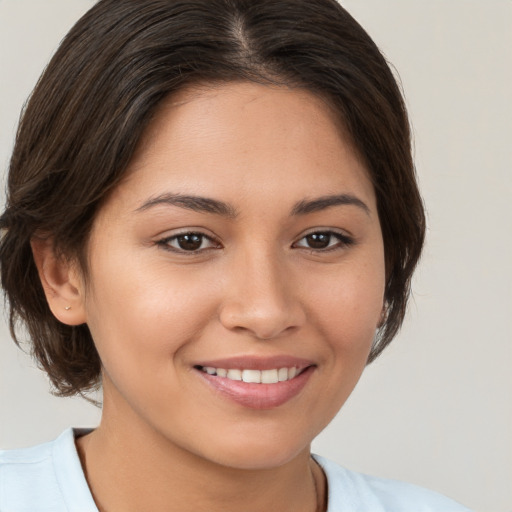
(190, 242)
(318, 240)
(324, 241)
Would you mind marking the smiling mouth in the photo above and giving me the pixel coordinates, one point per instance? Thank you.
(271, 376)
(257, 384)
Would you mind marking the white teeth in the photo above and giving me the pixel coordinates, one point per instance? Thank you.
(272, 376)
(234, 374)
(253, 376)
(269, 376)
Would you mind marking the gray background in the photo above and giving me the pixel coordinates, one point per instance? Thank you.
(436, 408)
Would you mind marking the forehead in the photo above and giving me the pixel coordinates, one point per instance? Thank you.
(243, 139)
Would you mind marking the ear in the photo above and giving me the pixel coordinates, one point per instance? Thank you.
(62, 283)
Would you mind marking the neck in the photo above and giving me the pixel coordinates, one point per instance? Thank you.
(130, 467)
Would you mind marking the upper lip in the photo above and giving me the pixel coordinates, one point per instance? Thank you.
(257, 362)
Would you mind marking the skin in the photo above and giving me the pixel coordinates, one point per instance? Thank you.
(167, 441)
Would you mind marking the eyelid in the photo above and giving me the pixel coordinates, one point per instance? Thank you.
(321, 229)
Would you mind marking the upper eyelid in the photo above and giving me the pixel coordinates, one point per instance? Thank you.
(332, 231)
(184, 233)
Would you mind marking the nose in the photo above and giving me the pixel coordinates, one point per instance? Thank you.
(261, 298)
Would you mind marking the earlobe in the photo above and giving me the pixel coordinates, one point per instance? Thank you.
(61, 283)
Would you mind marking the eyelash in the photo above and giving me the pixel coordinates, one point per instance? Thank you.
(344, 241)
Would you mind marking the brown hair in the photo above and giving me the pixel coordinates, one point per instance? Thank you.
(98, 93)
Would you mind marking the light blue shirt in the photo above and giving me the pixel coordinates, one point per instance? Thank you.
(49, 478)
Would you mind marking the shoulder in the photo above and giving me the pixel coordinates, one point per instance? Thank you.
(25, 476)
(356, 492)
(43, 478)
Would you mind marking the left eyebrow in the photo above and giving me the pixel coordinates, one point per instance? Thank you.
(315, 205)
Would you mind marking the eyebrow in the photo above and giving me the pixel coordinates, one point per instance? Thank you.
(209, 205)
(195, 203)
(315, 205)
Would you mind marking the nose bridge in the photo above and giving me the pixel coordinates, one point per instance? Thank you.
(261, 296)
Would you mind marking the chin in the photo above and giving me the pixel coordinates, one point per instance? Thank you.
(256, 451)
(251, 458)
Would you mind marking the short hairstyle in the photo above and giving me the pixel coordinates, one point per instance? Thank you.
(97, 95)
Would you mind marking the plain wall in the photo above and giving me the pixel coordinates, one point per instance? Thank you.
(436, 408)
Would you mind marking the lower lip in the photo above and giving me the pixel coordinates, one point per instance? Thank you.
(259, 396)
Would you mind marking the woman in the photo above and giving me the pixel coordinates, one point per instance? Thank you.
(212, 211)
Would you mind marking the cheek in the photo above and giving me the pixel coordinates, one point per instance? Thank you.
(345, 309)
(140, 313)
(348, 305)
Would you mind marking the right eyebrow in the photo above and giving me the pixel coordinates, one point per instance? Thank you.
(196, 203)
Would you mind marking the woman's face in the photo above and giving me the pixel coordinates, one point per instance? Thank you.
(244, 243)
